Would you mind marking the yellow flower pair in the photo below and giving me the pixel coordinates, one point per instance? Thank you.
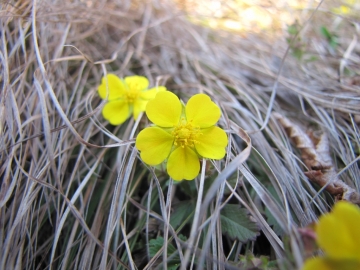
(182, 133)
(338, 235)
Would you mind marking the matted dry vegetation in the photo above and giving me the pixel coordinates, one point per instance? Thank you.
(74, 192)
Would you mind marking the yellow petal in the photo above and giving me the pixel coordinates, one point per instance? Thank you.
(316, 263)
(349, 214)
(183, 163)
(211, 143)
(116, 87)
(151, 93)
(116, 112)
(136, 83)
(164, 110)
(326, 263)
(145, 96)
(139, 106)
(202, 111)
(155, 145)
(338, 232)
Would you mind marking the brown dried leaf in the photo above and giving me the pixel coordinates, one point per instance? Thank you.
(323, 179)
(315, 154)
(314, 151)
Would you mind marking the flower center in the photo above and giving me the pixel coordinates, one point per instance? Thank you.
(131, 95)
(186, 133)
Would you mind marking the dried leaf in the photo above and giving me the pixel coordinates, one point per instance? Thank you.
(315, 153)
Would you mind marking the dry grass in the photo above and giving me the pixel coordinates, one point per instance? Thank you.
(74, 193)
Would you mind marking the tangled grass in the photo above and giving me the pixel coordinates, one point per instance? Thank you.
(74, 192)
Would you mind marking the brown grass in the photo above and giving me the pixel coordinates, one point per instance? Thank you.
(74, 193)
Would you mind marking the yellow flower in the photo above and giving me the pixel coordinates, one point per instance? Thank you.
(182, 134)
(338, 234)
(126, 97)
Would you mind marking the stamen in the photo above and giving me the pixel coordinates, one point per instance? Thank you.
(132, 95)
(186, 134)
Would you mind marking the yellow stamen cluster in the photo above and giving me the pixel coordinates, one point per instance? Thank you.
(185, 134)
(132, 95)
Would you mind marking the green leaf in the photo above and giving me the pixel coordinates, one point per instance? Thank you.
(249, 261)
(236, 223)
(189, 188)
(173, 266)
(273, 222)
(293, 29)
(232, 181)
(312, 59)
(156, 244)
(182, 237)
(270, 218)
(325, 32)
(297, 53)
(182, 211)
(331, 38)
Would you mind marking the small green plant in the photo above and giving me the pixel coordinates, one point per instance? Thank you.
(331, 38)
(157, 244)
(297, 46)
(250, 261)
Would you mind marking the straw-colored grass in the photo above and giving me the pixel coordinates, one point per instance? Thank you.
(74, 191)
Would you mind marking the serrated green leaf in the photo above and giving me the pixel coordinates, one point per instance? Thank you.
(182, 237)
(156, 244)
(236, 223)
(249, 261)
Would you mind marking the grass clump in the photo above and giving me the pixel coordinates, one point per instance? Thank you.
(75, 193)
